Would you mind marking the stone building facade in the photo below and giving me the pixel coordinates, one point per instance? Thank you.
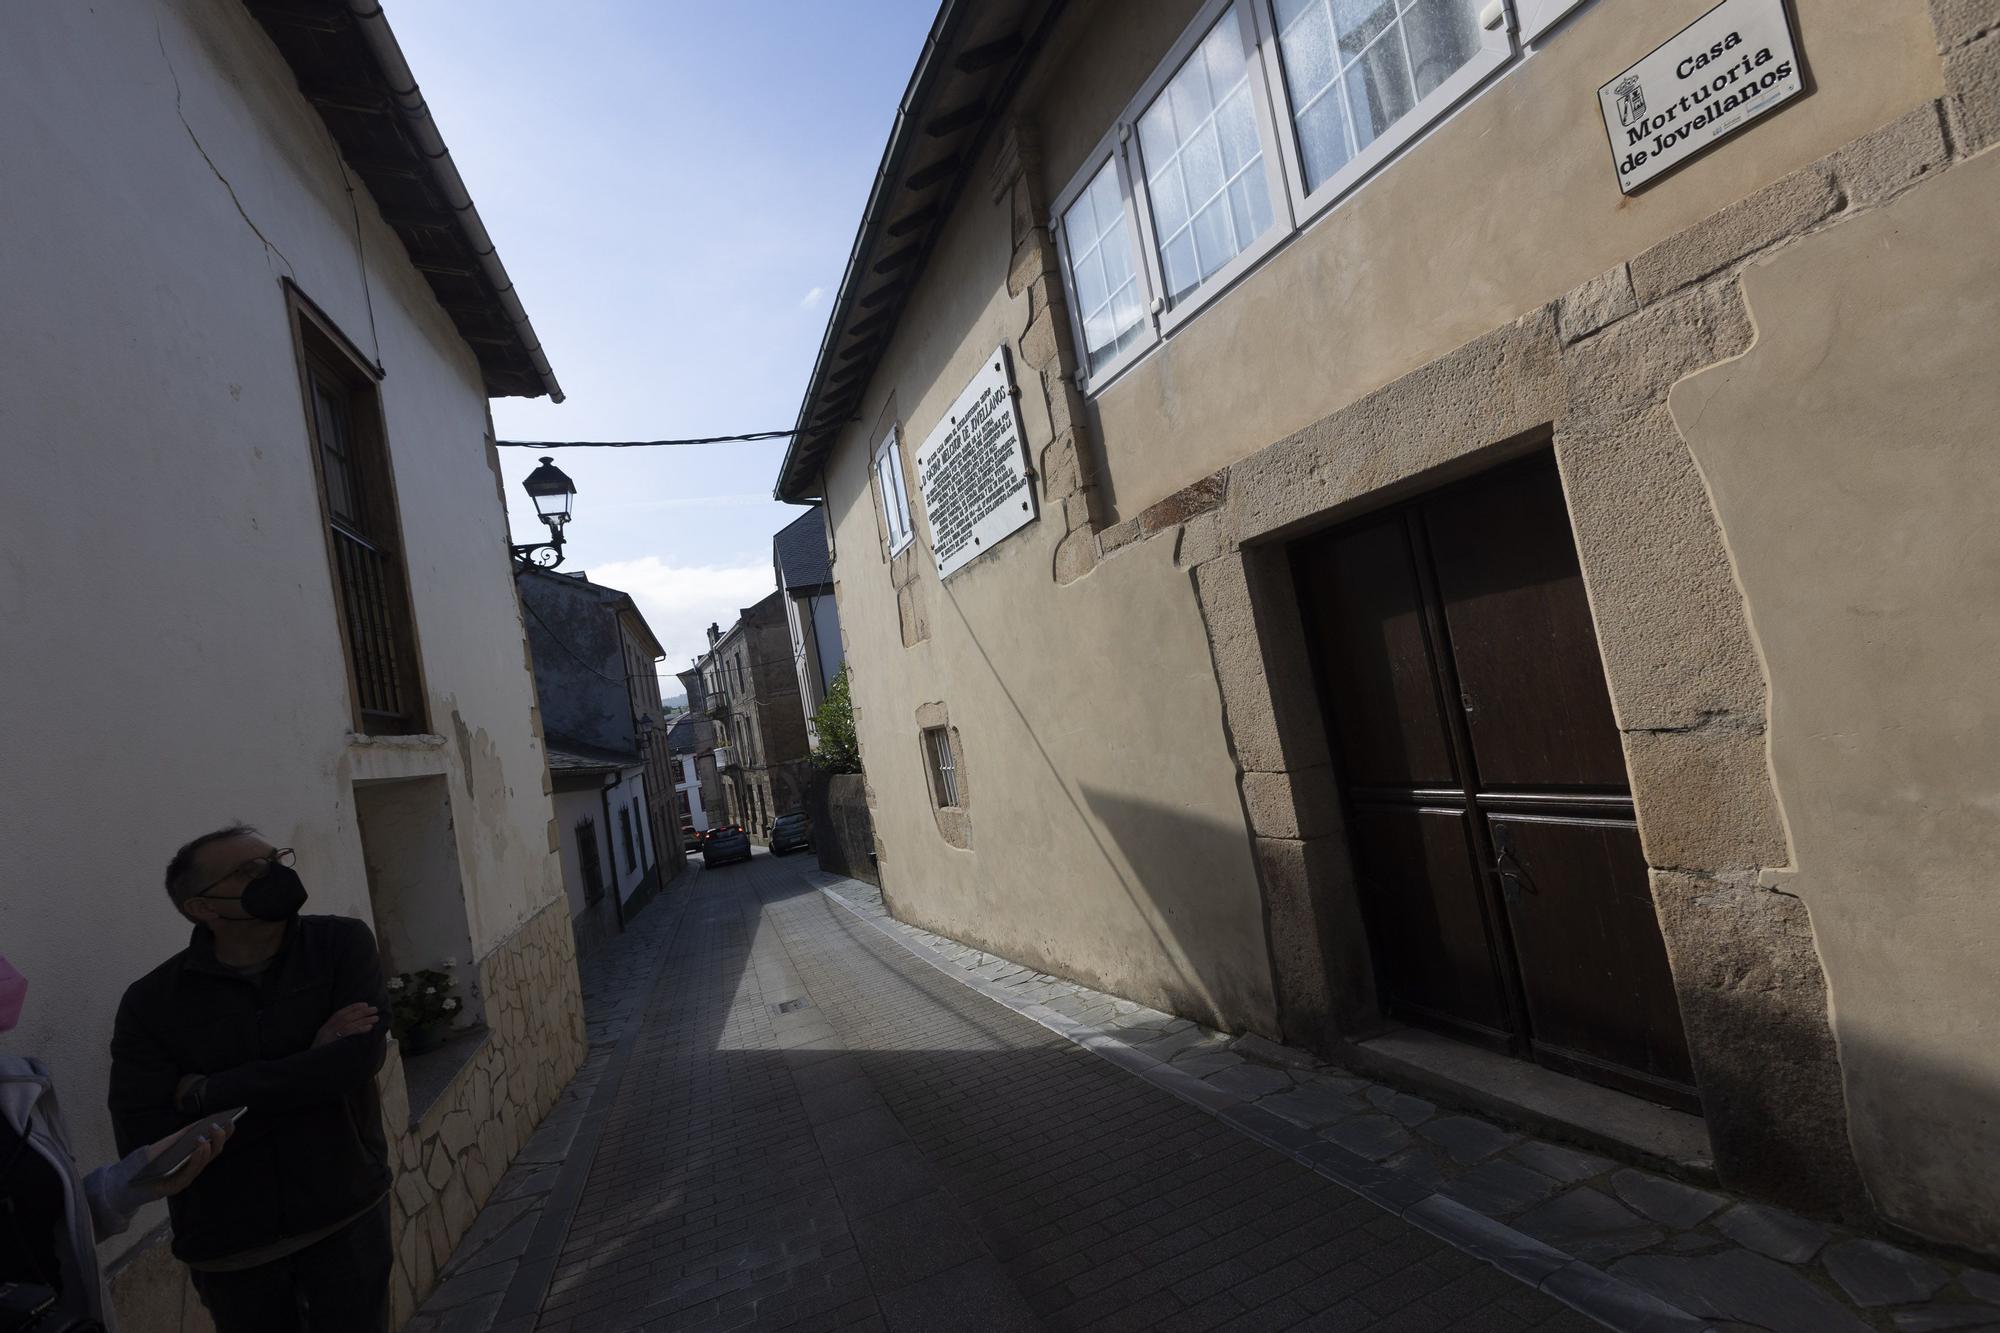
(750, 687)
(252, 339)
(1753, 400)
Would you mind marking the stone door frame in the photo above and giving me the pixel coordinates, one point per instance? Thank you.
(1587, 376)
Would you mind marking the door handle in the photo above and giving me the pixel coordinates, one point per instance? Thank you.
(1513, 882)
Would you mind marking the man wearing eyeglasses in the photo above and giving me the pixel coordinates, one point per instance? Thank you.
(282, 1014)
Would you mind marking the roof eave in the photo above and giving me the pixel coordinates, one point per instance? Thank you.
(384, 131)
(974, 57)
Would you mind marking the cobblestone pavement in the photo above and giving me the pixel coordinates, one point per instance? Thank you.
(799, 1113)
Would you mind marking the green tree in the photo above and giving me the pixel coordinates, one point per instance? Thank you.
(833, 720)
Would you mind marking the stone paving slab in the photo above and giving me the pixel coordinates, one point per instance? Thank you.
(1633, 1249)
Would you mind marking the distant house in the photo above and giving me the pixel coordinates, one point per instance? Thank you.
(805, 581)
(750, 689)
(691, 760)
(599, 695)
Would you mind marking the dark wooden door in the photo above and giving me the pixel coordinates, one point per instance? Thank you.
(1486, 790)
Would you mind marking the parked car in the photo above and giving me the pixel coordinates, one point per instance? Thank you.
(791, 833)
(725, 844)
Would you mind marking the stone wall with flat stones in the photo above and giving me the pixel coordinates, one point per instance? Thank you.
(448, 1161)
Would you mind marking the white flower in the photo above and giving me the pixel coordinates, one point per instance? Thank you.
(450, 1005)
(430, 990)
(395, 983)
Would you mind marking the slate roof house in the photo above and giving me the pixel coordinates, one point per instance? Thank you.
(1419, 583)
(805, 580)
(609, 753)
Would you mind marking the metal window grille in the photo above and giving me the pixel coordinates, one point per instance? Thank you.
(944, 773)
(372, 628)
(367, 568)
(586, 854)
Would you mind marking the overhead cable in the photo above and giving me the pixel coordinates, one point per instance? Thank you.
(643, 444)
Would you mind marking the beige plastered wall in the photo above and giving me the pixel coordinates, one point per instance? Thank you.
(172, 653)
(1854, 458)
(1399, 341)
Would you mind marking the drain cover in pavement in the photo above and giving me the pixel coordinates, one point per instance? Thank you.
(790, 1005)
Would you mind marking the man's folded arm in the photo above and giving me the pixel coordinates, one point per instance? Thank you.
(321, 1073)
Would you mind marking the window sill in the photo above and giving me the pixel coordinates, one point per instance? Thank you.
(428, 1077)
(422, 740)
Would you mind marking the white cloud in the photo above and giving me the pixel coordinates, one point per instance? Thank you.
(679, 601)
(811, 298)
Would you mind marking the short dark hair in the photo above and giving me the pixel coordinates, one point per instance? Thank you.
(180, 882)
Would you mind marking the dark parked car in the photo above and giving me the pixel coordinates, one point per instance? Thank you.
(725, 844)
(791, 833)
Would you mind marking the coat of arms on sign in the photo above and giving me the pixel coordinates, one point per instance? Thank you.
(1631, 100)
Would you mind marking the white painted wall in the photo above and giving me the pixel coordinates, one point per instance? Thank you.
(170, 652)
(631, 787)
(688, 783)
(572, 808)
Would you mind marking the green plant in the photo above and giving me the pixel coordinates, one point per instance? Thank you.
(418, 999)
(838, 751)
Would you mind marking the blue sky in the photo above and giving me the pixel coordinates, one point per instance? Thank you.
(673, 187)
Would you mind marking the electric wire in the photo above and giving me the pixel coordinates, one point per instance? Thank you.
(644, 444)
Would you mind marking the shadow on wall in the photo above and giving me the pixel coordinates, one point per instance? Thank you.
(843, 832)
(1165, 844)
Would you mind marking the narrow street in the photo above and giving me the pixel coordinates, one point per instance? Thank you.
(812, 1128)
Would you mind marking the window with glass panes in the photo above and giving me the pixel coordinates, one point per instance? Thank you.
(895, 492)
(1109, 302)
(1355, 68)
(1239, 139)
(1203, 163)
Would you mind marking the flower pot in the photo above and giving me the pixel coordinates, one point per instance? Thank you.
(426, 1036)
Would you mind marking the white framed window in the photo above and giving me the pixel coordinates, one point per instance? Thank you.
(1538, 16)
(1358, 79)
(1108, 295)
(944, 771)
(1262, 115)
(1205, 147)
(895, 493)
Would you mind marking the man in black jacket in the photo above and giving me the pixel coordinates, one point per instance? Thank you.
(282, 1014)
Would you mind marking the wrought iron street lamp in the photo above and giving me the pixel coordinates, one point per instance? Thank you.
(552, 492)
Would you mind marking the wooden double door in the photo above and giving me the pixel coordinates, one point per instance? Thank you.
(1487, 800)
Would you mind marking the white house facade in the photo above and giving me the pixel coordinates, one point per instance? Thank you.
(254, 561)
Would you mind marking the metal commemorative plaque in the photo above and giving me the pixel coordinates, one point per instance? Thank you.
(973, 470)
(1729, 68)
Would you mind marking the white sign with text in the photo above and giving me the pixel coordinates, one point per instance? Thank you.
(973, 470)
(1735, 64)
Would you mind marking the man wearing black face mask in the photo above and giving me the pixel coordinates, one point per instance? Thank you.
(283, 1014)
